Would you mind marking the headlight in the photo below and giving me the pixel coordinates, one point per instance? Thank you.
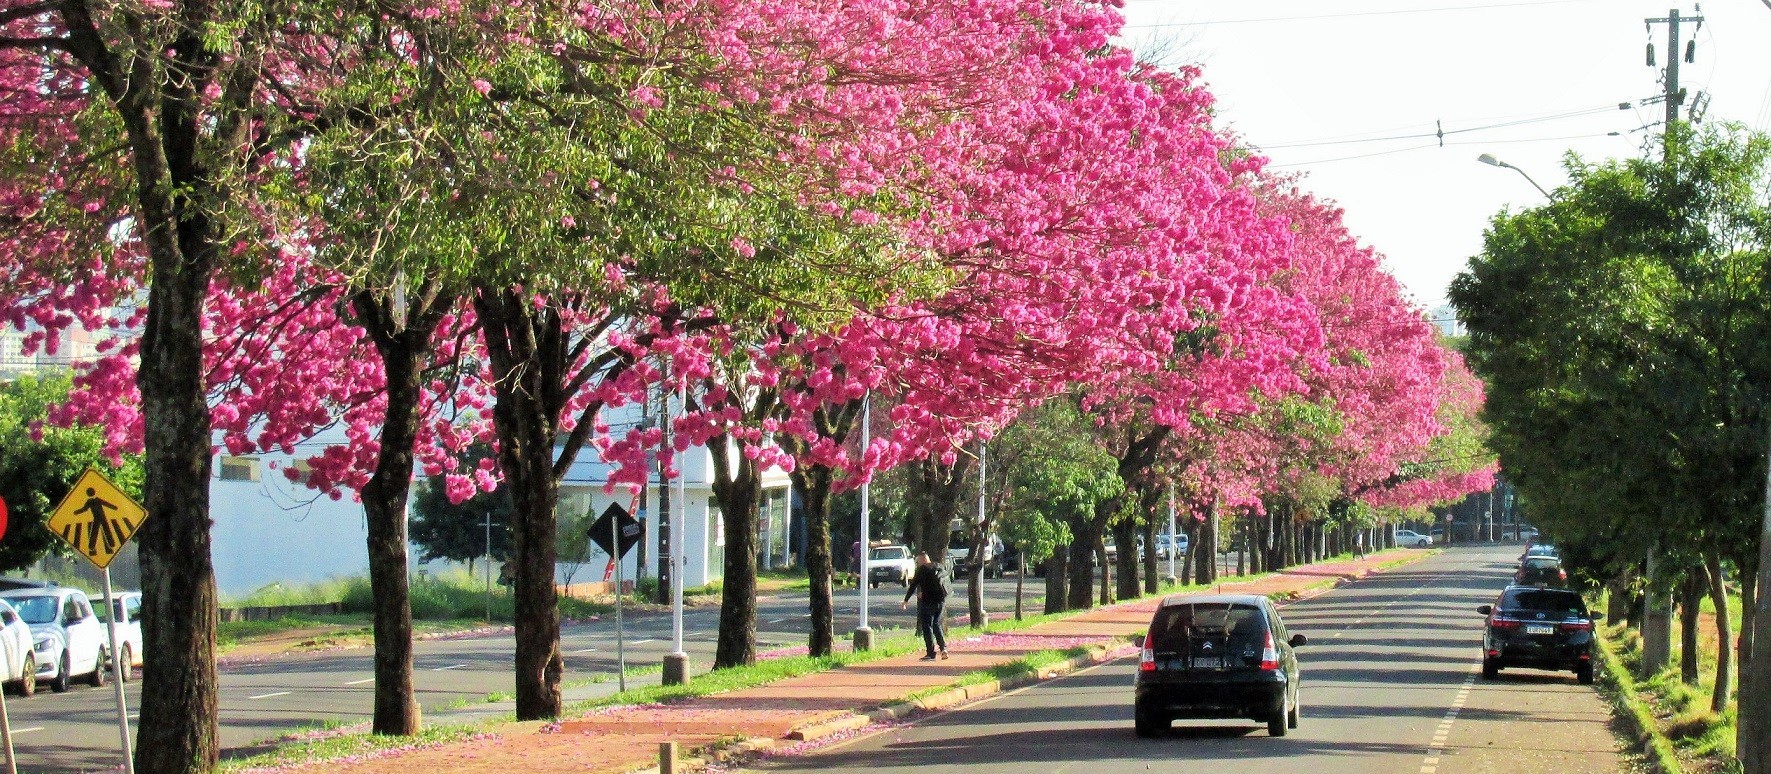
(44, 645)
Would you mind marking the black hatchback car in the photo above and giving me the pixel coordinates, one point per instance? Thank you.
(1539, 628)
(1222, 656)
(1541, 571)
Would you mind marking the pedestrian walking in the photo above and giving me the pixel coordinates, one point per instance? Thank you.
(1359, 544)
(929, 586)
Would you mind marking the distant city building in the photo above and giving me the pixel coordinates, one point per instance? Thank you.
(1445, 319)
(74, 346)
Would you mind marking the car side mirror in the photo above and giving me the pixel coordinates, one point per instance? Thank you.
(1299, 640)
(1485, 609)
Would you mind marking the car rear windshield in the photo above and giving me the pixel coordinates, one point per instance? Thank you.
(886, 553)
(1542, 563)
(1544, 601)
(1177, 625)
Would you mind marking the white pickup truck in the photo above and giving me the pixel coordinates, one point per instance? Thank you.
(890, 564)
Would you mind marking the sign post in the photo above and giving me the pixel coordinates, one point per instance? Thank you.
(98, 519)
(616, 532)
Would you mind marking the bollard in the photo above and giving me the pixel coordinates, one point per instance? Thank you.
(667, 758)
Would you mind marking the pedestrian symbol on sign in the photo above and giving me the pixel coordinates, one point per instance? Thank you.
(96, 518)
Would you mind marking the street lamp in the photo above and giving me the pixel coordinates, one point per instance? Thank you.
(1489, 159)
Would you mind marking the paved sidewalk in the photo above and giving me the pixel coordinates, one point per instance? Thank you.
(623, 739)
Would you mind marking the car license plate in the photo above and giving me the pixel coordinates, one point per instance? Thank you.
(1209, 662)
(1539, 629)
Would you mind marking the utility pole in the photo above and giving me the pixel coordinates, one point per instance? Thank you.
(1674, 96)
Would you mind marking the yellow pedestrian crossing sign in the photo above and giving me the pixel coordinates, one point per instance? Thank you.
(96, 518)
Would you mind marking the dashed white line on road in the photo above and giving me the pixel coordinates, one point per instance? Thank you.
(360, 682)
(27, 730)
(777, 620)
(449, 667)
(270, 695)
(585, 650)
(1431, 764)
(642, 642)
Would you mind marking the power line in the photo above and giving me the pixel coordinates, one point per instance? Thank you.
(1355, 14)
(1581, 113)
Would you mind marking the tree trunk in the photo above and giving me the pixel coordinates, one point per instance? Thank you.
(1205, 549)
(1082, 564)
(1187, 558)
(179, 708)
(1100, 549)
(1657, 621)
(934, 501)
(1718, 588)
(527, 348)
(404, 345)
(1152, 580)
(738, 488)
(1057, 576)
(1020, 581)
(1242, 548)
(1125, 536)
(1747, 735)
(813, 483)
(1754, 739)
(1617, 599)
(1691, 594)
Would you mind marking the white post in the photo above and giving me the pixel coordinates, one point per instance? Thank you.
(620, 641)
(6, 734)
(677, 554)
(863, 632)
(1173, 537)
(116, 680)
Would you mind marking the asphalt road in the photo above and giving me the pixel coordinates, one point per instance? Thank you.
(77, 731)
(1389, 684)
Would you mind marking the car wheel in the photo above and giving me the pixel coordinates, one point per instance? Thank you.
(101, 670)
(1276, 723)
(1490, 668)
(1148, 725)
(1421, 544)
(61, 681)
(27, 684)
(1291, 718)
(128, 664)
(1584, 673)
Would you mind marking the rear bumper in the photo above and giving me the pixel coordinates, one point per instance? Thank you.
(1255, 700)
(1539, 656)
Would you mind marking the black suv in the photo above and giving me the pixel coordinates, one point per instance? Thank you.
(1223, 656)
(1539, 628)
(1541, 571)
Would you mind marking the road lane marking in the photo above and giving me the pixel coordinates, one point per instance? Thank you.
(451, 666)
(777, 620)
(1430, 764)
(270, 695)
(586, 650)
(642, 642)
(26, 730)
(360, 682)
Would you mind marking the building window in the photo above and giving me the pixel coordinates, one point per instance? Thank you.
(239, 469)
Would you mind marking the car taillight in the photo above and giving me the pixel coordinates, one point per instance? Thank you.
(1563, 574)
(1269, 655)
(1578, 626)
(1504, 624)
(1147, 660)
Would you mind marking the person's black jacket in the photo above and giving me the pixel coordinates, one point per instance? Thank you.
(928, 585)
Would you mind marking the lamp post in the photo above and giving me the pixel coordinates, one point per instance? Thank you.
(1489, 159)
(676, 662)
(863, 632)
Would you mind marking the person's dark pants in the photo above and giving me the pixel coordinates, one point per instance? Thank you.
(929, 623)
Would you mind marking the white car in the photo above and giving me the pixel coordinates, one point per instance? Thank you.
(1162, 542)
(127, 606)
(1408, 537)
(67, 637)
(20, 667)
(890, 564)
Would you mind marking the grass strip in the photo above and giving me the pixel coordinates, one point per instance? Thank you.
(333, 743)
(1618, 687)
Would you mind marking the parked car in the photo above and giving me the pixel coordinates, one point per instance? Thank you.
(67, 637)
(890, 564)
(960, 549)
(1541, 571)
(127, 607)
(1221, 656)
(1180, 545)
(1538, 628)
(20, 669)
(1408, 537)
(1541, 550)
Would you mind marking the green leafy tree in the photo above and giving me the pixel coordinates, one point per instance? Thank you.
(39, 462)
(1623, 333)
(1056, 477)
(445, 530)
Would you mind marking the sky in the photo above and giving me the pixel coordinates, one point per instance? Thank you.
(1320, 86)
